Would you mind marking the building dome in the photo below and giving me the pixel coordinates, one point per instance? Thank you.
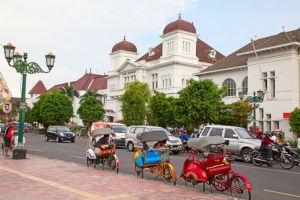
(180, 25)
(124, 45)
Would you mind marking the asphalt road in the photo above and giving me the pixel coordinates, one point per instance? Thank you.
(267, 183)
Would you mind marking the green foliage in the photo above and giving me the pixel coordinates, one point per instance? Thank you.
(69, 91)
(162, 110)
(90, 93)
(199, 103)
(293, 143)
(294, 121)
(235, 114)
(90, 110)
(134, 101)
(52, 109)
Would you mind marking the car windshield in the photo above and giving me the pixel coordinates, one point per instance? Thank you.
(63, 129)
(243, 133)
(119, 129)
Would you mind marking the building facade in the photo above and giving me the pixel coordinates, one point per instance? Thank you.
(275, 70)
(165, 68)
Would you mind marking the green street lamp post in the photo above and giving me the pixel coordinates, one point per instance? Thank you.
(253, 99)
(23, 67)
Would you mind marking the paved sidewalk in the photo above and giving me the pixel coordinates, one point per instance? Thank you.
(38, 178)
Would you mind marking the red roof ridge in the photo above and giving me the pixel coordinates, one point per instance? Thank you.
(38, 88)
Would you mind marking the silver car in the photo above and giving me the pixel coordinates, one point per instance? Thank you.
(174, 143)
(240, 142)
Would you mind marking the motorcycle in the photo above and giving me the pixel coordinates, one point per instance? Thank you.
(279, 155)
(294, 152)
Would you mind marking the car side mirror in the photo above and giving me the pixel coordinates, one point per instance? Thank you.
(235, 136)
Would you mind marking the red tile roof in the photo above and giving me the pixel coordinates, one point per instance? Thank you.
(202, 52)
(58, 86)
(99, 83)
(38, 88)
(157, 54)
(88, 81)
(235, 60)
(84, 82)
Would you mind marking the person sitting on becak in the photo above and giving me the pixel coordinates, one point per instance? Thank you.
(104, 140)
(160, 144)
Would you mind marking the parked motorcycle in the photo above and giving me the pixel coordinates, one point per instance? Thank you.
(279, 155)
(294, 152)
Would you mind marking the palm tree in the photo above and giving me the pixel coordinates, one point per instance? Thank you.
(69, 91)
(90, 93)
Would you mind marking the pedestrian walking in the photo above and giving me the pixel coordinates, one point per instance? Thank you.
(7, 137)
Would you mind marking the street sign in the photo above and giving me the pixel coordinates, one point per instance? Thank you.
(6, 107)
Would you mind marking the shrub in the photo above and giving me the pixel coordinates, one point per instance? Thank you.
(293, 143)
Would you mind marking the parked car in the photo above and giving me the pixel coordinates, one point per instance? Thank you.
(118, 129)
(241, 143)
(174, 143)
(59, 134)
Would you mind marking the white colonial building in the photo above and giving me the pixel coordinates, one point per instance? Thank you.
(165, 68)
(276, 71)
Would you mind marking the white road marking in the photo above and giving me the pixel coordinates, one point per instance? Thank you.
(78, 157)
(275, 170)
(282, 193)
(35, 150)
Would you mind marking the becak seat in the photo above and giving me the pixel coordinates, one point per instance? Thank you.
(152, 157)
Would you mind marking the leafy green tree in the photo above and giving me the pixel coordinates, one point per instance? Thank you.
(134, 103)
(235, 114)
(90, 93)
(199, 103)
(52, 109)
(91, 110)
(162, 110)
(69, 91)
(294, 121)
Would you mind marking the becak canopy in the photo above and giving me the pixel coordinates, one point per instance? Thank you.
(152, 136)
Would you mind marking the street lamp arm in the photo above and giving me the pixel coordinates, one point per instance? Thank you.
(33, 68)
(27, 68)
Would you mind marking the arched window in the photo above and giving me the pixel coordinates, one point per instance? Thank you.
(231, 87)
(245, 85)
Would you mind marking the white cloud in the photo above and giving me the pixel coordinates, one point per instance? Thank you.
(81, 33)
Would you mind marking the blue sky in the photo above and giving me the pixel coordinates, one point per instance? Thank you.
(82, 32)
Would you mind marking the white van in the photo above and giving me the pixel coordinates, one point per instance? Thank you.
(174, 143)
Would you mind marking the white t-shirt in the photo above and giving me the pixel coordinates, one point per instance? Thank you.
(16, 140)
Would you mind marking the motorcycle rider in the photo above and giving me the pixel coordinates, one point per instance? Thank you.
(266, 146)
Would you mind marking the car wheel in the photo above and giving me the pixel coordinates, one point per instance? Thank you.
(72, 141)
(246, 155)
(46, 138)
(58, 140)
(130, 146)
